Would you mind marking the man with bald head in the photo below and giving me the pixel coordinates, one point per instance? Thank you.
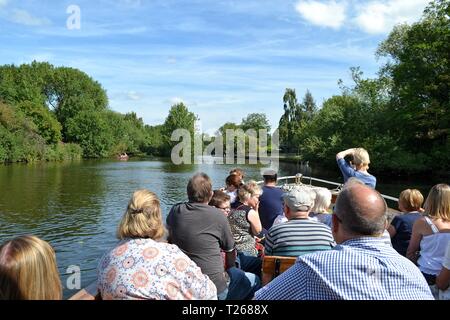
(361, 267)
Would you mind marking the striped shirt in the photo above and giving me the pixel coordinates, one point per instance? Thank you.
(298, 237)
(359, 269)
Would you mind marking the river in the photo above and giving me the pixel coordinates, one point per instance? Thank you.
(76, 206)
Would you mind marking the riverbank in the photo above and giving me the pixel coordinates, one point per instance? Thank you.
(403, 175)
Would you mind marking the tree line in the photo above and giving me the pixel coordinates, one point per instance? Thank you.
(57, 113)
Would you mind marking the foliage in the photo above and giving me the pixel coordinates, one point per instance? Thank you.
(179, 118)
(255, 121)
(90, 130)
(419, 66)
(402, 117)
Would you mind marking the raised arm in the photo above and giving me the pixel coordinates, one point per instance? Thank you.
(343, 154)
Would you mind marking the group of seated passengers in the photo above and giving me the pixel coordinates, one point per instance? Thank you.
(201, 261)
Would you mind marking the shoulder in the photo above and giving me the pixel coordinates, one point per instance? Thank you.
(421, 223)
(399, 218)
(177, 207)
(324, 259)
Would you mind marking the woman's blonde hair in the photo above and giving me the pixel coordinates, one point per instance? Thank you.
(323, 200)
(361, 157)
(410, 200)
(437, 204)
(28, 270)
(143, 218)
(248, 190)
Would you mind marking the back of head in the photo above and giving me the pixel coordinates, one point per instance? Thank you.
(233, 180)
(143, 217)
(300, 199)
(410, 200)
(322, 201)
(361, 210)
(353, 181)
(238, 171)
(437, 204)
(219, 198)
(270, 176)
(199, 188)
(248, 190)
(361, 157)
(28, 270)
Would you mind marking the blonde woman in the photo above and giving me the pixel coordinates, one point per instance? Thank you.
(244, 219)
(410, 204)
(141, 267)
(322, 202)
(28, 270)
(431, 233)
(357, 167)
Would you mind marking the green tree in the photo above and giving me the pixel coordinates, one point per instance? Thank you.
(255, 121)
(290, 121)
(90, 130)
(47, 124)
(309, 106)
(419, 66)
(72, 91)
(154, 144)
(179, 118)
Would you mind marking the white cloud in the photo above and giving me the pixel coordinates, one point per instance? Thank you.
(133, 95)
(176, 100)
(330, 14)
(380, 16)
(25, 18)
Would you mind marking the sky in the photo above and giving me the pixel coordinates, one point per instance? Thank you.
(224, 59)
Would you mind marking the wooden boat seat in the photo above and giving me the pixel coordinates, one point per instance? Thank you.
(273, 266)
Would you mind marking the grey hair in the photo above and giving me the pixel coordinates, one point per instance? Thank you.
(322, 201)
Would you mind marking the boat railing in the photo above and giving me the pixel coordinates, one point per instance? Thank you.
(300, 179)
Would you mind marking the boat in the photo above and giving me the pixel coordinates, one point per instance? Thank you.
(287, 183)
(274, 265)
(123, 157)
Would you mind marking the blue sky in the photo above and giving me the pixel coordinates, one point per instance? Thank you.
(223, 58)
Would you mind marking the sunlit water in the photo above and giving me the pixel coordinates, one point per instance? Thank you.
(77, 206)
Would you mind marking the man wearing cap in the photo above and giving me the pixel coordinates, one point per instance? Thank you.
(271, 200)
(299, 235)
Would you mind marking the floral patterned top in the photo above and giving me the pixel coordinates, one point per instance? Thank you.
(146, 269)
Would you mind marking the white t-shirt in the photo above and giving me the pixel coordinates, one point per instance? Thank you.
(446, 262)
(233, 195)
(279, 219)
